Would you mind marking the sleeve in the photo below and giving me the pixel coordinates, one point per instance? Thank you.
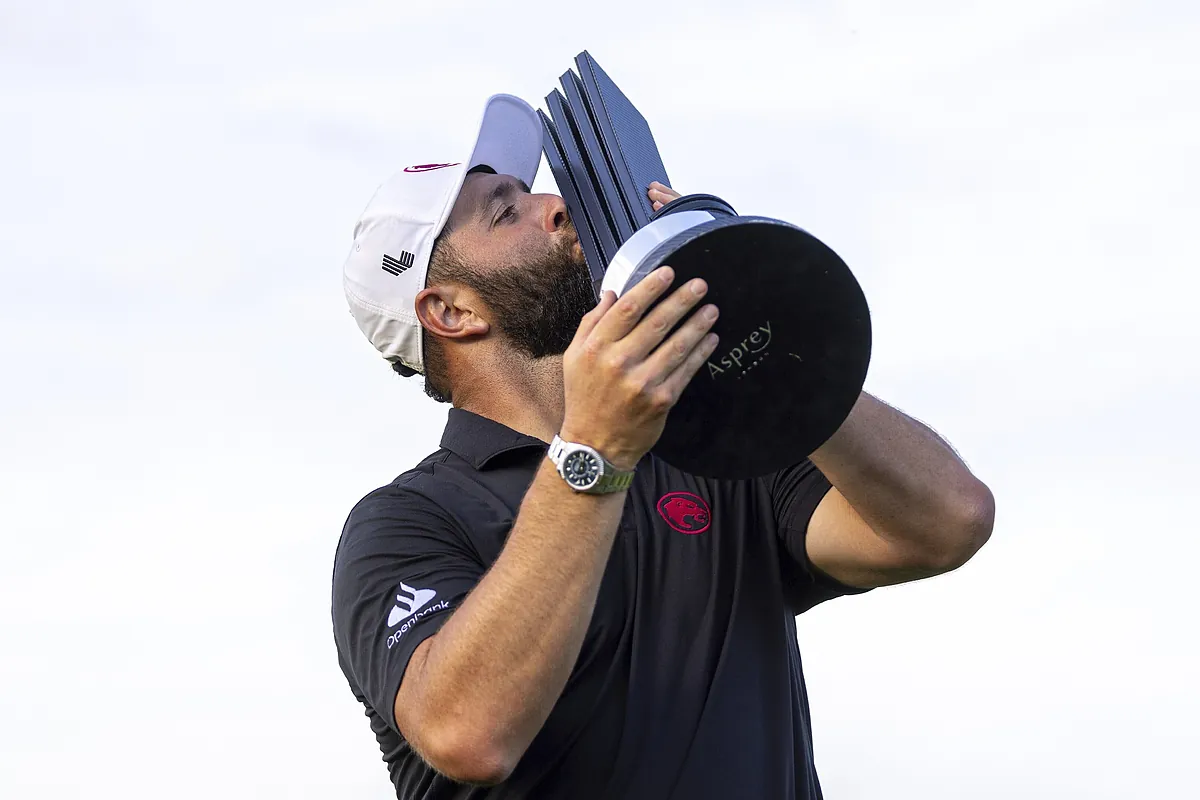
(403, 565)
(795, 494)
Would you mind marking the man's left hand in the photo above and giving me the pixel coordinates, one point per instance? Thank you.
(661, 195)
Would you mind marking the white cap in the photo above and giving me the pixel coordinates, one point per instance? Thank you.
(394, 237)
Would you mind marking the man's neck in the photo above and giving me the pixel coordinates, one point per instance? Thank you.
(528, 397)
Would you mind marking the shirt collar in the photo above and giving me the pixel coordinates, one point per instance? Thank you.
(477, 440)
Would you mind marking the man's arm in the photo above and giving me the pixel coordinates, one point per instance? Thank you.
(474, 695)
(904, 506)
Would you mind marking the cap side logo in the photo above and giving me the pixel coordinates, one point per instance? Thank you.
(430, 167)
(395, 266)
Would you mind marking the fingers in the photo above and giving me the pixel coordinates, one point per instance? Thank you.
(624, 314)
(676, 349)
(662, 189)
(660, 195)
(678, 380)
(671, 389)
(663, 318)
(593, 317)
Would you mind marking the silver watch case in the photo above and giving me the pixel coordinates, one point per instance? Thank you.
(585, 470)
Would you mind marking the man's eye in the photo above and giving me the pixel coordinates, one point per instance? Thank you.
(508, 213)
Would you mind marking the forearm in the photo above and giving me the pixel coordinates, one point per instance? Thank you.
(495, 670)
(907, 484)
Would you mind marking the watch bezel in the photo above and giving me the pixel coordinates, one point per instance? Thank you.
(577, 450)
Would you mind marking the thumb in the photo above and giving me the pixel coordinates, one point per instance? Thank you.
(592, 318)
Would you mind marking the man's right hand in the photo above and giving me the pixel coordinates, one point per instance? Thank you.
(621, 378)
(475, 694)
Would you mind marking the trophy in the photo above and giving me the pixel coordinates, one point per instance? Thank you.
(795, 331)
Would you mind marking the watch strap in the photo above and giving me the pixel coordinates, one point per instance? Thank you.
(615, 481)
(612, 479)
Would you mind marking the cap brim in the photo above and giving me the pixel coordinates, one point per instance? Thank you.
(510, 138)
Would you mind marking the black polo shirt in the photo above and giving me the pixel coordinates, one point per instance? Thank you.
(689, 683)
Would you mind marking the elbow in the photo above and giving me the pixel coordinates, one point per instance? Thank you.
(961, 525)
(967, 526)
(469, 757)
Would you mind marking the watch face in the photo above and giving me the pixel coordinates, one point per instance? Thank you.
(581, 469)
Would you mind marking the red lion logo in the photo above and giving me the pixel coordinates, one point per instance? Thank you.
(685, 512)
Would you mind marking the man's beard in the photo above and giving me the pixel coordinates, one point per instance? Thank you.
(539, 304)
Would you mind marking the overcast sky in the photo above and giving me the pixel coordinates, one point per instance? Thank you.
(189, 411)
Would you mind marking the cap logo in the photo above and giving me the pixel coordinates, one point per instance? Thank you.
(397, 265)
(429, 167)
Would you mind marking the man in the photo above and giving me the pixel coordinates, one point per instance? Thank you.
(516, 628)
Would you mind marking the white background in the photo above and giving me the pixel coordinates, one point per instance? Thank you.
(189, 412)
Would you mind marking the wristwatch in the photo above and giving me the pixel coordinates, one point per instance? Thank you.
(587, 471)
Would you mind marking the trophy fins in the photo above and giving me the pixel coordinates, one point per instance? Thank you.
(628, 143)
(591, 201)
(601, 168)
(566, 184)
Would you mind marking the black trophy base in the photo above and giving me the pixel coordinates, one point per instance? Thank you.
(795, 343)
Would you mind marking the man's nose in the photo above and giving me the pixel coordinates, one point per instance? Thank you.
(554, 212)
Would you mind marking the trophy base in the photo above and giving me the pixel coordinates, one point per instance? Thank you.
(795, 340)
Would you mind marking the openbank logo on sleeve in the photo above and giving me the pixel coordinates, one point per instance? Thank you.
(411, 605)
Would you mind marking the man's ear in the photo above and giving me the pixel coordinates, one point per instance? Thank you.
(450, 311)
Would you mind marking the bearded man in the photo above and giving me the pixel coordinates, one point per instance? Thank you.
(544, 609)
